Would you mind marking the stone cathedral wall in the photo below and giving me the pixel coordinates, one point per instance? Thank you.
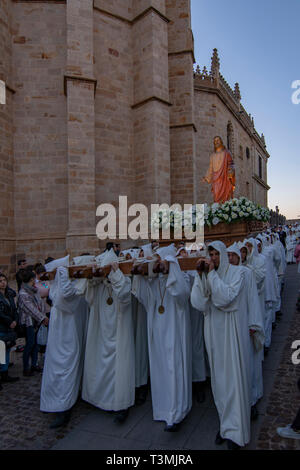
(38, 37)
(100, 103)
(7, 235)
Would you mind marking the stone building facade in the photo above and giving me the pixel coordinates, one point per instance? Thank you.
(218, 111)
(102, 100)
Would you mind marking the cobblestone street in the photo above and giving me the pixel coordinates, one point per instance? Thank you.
(23, 426)
(284, 400)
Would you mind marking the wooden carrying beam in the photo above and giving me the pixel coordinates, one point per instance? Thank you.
(86, 272)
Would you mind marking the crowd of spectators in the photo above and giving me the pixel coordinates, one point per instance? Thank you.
(21, 315)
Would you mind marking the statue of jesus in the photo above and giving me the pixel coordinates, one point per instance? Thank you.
(221, 173)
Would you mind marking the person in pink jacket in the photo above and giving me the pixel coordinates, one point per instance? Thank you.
(297, 254)
(43, 287)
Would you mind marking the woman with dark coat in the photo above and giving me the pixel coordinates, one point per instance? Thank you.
(8, 323)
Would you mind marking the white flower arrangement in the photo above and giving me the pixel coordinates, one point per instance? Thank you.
(234, 210)
(215, 221)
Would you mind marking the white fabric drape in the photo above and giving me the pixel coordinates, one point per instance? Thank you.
(65, 347)
(109, 372)
(223, 299)
(139, 316)
(169, 342)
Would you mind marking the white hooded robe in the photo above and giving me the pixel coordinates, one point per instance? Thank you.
(271, 288)
(139, 316)
(256, 311)
(223, 298)
(169, 341)
(199, 372)
(65, 347)
(109, 367)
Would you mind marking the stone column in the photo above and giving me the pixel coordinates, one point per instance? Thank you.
(181, 85)
(80, 88)
(151, 104)
(7, 230)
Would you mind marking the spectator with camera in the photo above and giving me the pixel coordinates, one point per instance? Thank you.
(8, 323)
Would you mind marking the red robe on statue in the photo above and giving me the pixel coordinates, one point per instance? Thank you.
(222, 178)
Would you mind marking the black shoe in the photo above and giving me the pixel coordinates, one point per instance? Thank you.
(28, 373)
(121, 416)
(219, 439)
(61, 419)
(36, 369)
(266, 350)
(199, 388)
(232, 445)
(172, 427)
(254, 413)
(274, 326)
(279, 313)
(141, 395)
(200, 396)
(7, 379)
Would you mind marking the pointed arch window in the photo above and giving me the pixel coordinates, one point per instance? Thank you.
(230, 138)
(260, 171)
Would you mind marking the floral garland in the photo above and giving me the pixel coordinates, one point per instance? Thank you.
(234, 210)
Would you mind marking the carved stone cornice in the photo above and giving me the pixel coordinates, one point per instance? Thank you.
(181, 126)
(148, 100)
(261, 182)
(137, 18)
(187, 51)
(39, 1)
(80, 79)
(150, 10)
(112, 15)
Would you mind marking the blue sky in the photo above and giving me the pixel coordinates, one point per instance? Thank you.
(258, 44)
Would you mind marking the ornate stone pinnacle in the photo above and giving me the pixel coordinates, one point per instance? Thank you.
(205, 71)
(237, 92)
(215, 64)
